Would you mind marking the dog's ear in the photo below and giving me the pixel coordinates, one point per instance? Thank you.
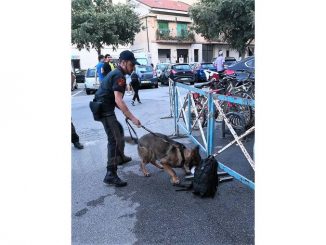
(196, 150)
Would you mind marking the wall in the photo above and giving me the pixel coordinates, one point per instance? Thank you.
(90, 58)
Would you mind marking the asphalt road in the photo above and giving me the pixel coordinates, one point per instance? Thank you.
(149, 210)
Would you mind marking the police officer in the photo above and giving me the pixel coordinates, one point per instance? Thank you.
(111, 93)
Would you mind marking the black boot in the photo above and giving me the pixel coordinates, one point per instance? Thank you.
(111, 178)
(124, 159)
(78, 145)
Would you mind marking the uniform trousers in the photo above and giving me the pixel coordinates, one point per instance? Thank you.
(116, 142)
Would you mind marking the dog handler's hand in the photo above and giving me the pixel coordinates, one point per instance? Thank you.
(136, 122)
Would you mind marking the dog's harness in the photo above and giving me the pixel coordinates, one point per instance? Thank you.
(135, 139)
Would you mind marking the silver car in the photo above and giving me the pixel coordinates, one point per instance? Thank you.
(160, 68)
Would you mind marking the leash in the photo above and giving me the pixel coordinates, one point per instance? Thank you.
(130, 127)
(181, 147)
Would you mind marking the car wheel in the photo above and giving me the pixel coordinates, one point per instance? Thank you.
(88, 92)
(191, 83)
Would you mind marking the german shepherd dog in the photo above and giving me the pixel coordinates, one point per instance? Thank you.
(169, 153)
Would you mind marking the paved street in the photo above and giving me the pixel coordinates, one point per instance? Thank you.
(149, 210)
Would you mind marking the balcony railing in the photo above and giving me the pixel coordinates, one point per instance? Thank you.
(166, 35)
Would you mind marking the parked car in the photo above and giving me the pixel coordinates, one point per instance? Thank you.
(180, 73)
(193, 65)
(147, 76)
(229, 61)
(199, 71)
(160, 68)
(243, 68)
(80, 75)
(91, 84)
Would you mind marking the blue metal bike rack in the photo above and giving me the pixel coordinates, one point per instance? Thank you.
(211, 123)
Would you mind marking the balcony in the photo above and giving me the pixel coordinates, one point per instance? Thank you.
(164, 36)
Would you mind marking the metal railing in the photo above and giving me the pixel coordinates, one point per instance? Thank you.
(183, 103)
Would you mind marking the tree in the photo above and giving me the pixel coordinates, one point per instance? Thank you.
(95, 23)
(231, 20)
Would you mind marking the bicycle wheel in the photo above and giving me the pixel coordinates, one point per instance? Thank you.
(246, 110)
(237, 120)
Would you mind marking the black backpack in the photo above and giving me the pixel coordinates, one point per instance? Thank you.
(205, 178)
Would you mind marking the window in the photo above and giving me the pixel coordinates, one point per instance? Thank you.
(143, 69)
(162, 66)
(90, 73)
(196, 55)
(208, 66)
(182, 29)
(163, 27)
(181, 67)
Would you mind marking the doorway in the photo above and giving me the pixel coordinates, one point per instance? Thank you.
(164, 55)
(207, 53)
(182, 56)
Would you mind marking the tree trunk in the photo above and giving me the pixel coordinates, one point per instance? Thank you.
(243, 53)
(98, 50)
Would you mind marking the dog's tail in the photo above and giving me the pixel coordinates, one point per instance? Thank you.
(132, 141)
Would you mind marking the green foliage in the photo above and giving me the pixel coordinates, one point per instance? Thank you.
(231, 20)
(99, 22)
(185, 35)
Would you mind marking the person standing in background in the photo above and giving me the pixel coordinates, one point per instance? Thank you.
(107, 66)
(99, 66)
(75, 138)
(135, 84)
(219, 62)
(74, 135)
(129, 88)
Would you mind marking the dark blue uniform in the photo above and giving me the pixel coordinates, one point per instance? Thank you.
(114, 81)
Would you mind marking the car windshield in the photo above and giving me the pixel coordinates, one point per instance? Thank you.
(241, 63)
(143, 69)
(161, 66)
(181, 67)
(90, 73)
(208, 66)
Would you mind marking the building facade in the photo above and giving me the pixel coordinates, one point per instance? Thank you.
(165, 36)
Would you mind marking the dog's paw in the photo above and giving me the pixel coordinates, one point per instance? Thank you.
(175, 181)
(147, 174)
